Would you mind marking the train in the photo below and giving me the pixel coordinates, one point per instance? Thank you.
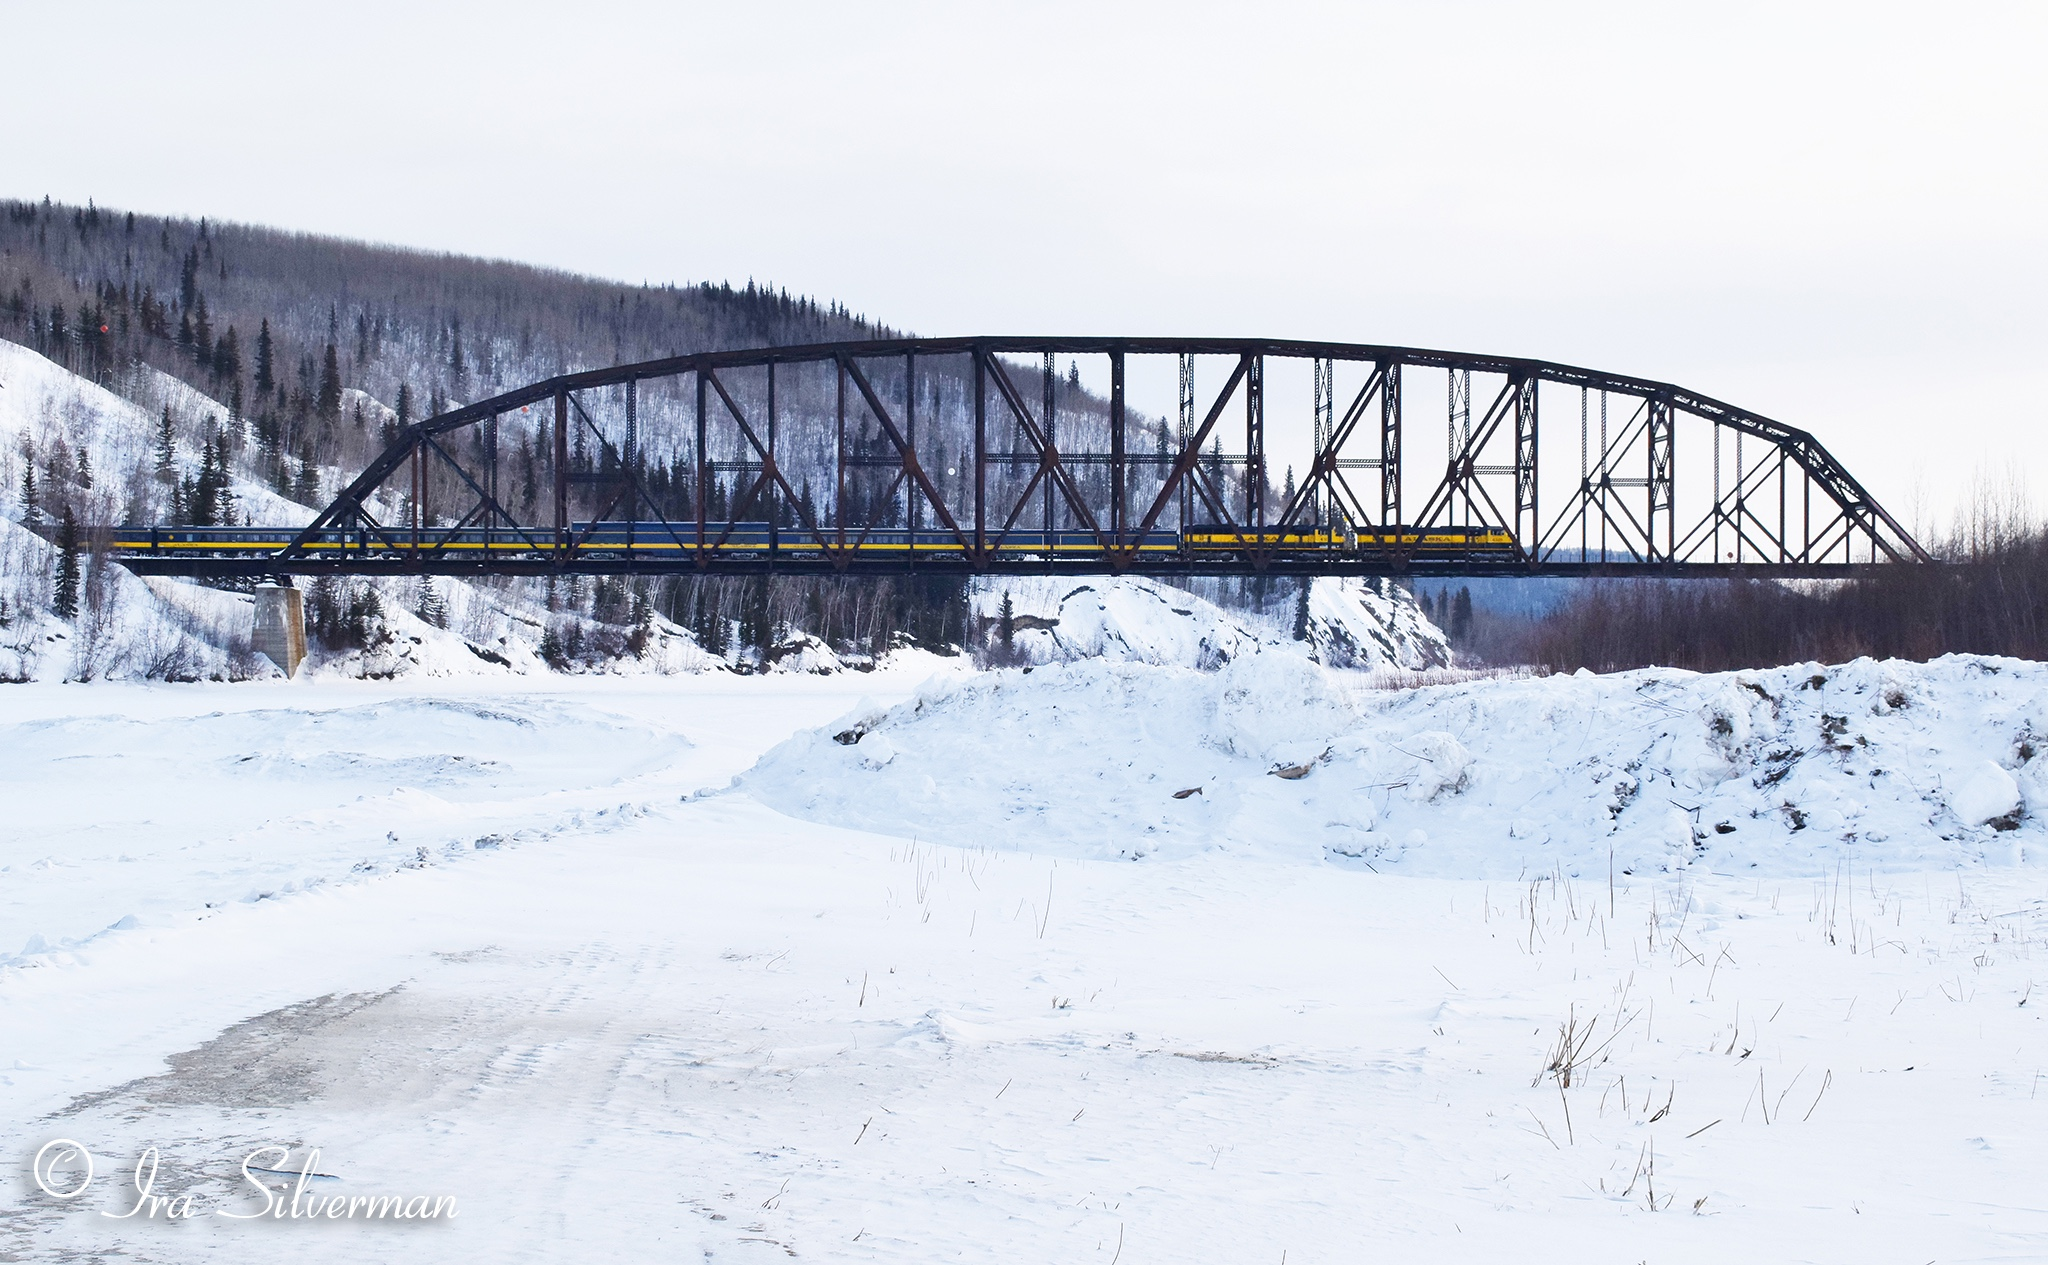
(656, 540)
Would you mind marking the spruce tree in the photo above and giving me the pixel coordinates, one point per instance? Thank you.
(66, 604)
(307, 490)
(84, 476)
(202, 335)
(1006, 625)
(432, 609)
(1461, 613)
(200, 504)
(266, 380)
(330, 385)
(30, 511)
(227, 357)
(756, 628)
(458, 370)
(57, 463)
(188, 280)
(1301, 611)
(223, 485)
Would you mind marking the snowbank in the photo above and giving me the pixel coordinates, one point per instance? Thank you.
(1787, 771)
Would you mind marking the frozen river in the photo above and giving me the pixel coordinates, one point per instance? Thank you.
(530, 948)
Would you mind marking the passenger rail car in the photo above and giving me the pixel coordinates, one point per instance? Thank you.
(757, 540)
(1458, 543)
(331, 542)
(655, 539)
(632, 539)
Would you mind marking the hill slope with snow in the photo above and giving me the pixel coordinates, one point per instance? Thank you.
(42, 403)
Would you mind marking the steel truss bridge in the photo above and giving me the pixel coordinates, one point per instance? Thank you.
(978, 455)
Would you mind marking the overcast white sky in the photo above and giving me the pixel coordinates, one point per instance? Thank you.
(1832, 214)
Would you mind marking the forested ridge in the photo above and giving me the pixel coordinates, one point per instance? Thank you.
(312, 350)
(304, 354)
(278, 325)
(308, 352)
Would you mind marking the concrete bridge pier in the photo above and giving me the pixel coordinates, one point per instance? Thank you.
(281, 625)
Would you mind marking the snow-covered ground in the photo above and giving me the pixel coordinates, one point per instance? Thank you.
(655, 967)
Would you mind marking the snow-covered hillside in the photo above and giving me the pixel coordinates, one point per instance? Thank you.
(42, 403)
(1371, 624)
(1779, 772)
(1351, 623)
(124, 629)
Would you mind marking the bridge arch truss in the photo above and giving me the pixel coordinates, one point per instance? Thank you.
(994, 454)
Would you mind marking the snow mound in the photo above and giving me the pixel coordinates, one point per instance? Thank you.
(1371, 624)
(803, 653)
(1790, 771)
(1013, 759)
(1351, 623)
(1130, 619)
